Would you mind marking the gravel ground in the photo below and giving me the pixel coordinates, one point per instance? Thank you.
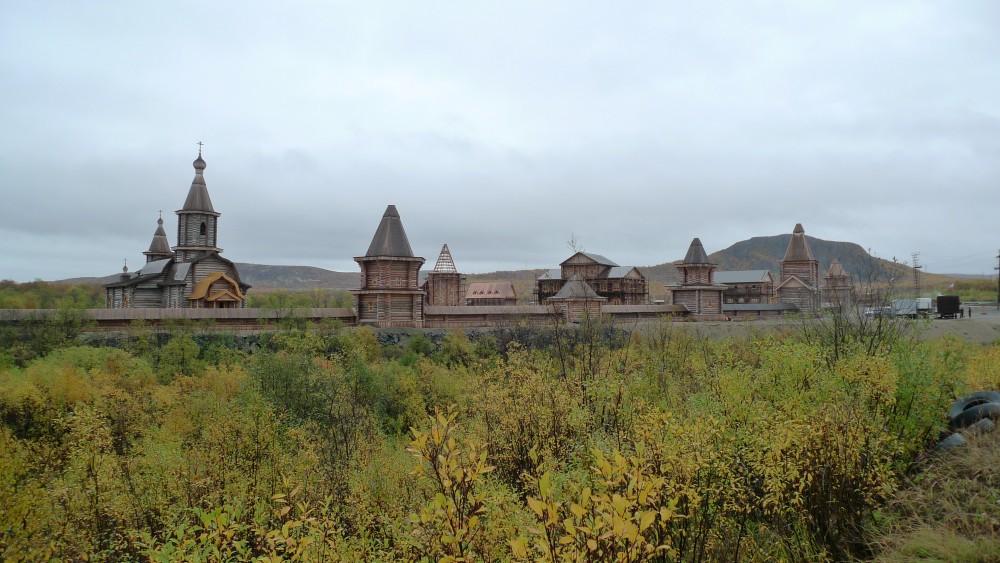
(983, 327)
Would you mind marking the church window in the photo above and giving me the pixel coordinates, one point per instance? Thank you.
(204, 228)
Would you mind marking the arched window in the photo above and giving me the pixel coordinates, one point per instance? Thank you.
(204, 228)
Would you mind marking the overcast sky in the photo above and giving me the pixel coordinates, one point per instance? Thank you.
(500, 128)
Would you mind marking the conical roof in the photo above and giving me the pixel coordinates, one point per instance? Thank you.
(836, 270)
(798, 246)
(160, 245)
(390, 238)
(696, 253)
(445, 263)
(197, 198)
(576, 288)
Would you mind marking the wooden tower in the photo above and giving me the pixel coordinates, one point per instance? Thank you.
(197, 221)
(444, 285)
(799, 283)
(697, 289)
(576, 300)
(390, 294)
(836, 286)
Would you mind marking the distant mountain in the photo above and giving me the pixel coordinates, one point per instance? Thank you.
(757, 253)
(263, 277)
(765, 253)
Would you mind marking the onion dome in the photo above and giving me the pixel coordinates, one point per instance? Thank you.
(197, 198)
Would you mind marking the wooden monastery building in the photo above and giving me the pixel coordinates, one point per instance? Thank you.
(444, 285)
(697, 289)
(576, 300)
(799, 284)
(491, 294)
(746, 286)
(620, 285)
(192, 275)
(389, 295)
(837, 287)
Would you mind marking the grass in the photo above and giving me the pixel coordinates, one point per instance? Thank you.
(949, 510)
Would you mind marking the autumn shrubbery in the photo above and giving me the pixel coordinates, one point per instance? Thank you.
(601, 446)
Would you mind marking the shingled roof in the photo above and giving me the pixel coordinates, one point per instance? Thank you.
(576, 288)
(390, 238)
(197, 198)
(836, 270)
(159, 245)
(798, 246)
(696, 253)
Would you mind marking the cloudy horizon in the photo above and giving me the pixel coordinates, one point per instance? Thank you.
(503, 130)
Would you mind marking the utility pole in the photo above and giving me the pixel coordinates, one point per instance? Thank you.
(916, 273)
(998, 280)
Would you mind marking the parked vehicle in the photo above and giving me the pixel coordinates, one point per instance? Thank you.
(948, 306)
(874, 312)
(911, 308)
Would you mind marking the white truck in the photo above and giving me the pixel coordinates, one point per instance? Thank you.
(912, 308)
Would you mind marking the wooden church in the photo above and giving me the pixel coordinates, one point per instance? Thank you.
(191, 275)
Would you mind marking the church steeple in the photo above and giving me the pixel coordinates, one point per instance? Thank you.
(197, 221)
(159, 249)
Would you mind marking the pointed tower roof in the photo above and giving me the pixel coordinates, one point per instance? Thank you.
(696, 253)
(576, 288)
(836, 270)
(197, 198)
(160, 245)
(445, 264)
(798, 246)
(390, 238)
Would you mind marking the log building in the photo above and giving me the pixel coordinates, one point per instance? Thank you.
(620, 285)
(837, 287)
(747, 286)
(576, 300)
(697, 289)
(192, 275)
(491, 294)
(799, 283)
(390, 295)
(444, 286)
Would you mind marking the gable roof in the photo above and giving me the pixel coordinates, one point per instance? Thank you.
(551, 274)
(623, 271)
(488, 290)
(596, 258)
(795, 280)
(798, 246)
(200, 290)
(744, 276)
(390, 238)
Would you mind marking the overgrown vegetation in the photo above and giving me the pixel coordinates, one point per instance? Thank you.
(321, 444)
(44, 295)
